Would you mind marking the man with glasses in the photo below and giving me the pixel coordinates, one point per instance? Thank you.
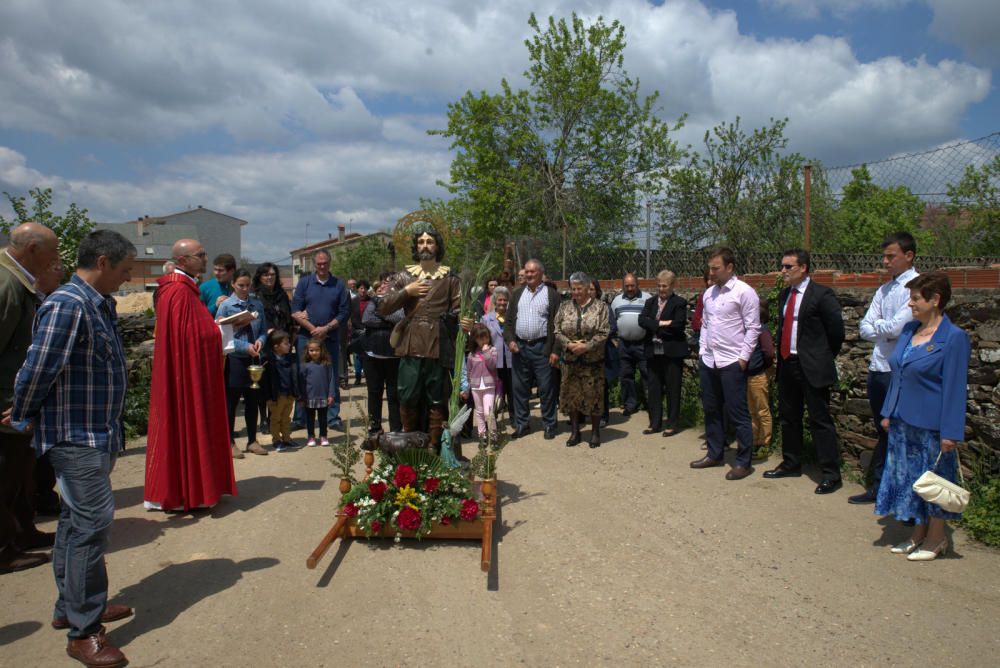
(811, 332)
(189, 456)
(217, 289)
(321, 306)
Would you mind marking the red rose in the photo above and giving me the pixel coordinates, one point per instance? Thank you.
(376, 526)
(377, 490)
(408, 519)
(405, 475)
(445, 521)
(470, 510)
(431, 484)
(351, 510)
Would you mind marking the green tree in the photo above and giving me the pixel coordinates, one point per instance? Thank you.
(868, 213)
(977, 195)
(70, 228)
(574, 153)
(739, 190)
(365, 259)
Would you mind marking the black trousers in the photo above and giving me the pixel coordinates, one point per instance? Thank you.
(17, 461)
(878, 387)
(311, 414)
(795, 394)
(665, 375)
(250, 400)
(631, 354)
(504, 374)
(382, 374)
(724, 391)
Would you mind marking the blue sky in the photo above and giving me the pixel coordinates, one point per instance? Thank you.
(318, 116)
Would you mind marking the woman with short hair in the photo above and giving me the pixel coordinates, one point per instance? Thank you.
(581, 328)
(924, 415)
(664, 316)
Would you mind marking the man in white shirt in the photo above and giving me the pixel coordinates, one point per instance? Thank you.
(882, 324)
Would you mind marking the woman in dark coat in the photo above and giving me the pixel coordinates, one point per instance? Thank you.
(663, 317)
(266, 287)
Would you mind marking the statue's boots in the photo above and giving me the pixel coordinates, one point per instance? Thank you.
(410, 417)
(437, 417)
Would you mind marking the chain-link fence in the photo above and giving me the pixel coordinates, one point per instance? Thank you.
(927, 175)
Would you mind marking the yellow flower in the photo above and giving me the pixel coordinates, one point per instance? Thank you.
(406, 496)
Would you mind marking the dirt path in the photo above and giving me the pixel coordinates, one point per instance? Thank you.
(621, 555)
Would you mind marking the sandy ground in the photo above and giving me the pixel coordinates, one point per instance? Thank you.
(616, 556)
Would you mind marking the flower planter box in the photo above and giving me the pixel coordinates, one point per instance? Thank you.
(480, 529)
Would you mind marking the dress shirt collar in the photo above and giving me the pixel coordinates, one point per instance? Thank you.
(906, 276)
(27, 274)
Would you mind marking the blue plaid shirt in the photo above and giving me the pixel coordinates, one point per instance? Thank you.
(72, 384)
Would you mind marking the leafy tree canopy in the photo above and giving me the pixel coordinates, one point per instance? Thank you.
(574, 151)
(70, 228)
(978, 196)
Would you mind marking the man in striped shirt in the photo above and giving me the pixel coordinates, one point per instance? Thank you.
(71, 390)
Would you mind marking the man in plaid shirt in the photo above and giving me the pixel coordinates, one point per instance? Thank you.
(71, 391)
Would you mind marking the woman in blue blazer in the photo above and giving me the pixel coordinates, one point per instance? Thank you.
(924, 414)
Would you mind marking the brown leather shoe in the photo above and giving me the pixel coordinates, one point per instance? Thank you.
(112, 613)
(96, 652)
(706, 462)
(738, 472)
(18, 561)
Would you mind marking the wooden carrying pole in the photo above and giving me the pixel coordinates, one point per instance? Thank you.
(327, 541)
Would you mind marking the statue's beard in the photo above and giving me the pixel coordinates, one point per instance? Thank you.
(425, 254)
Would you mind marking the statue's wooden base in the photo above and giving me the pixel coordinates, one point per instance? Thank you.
(480, 529)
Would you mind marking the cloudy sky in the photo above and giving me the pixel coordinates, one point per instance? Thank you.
(316, 112)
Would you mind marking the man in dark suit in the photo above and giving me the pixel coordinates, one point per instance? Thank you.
(810, 331)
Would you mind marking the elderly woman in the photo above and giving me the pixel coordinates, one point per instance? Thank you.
(581, 328)
(924, 414)
(663, 317)
(494, 322)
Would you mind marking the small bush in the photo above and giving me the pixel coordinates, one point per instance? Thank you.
(982, 517)
(136, 412)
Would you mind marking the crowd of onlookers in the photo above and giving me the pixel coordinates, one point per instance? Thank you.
(288, 359)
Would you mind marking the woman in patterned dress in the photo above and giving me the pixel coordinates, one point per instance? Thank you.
(581, 328)
(924, 414)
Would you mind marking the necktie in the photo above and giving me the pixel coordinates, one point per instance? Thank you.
(786, 329)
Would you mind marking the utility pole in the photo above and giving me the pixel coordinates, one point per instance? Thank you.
(649, 235)
(806, 223)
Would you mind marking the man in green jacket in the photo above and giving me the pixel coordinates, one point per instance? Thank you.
(32, 252)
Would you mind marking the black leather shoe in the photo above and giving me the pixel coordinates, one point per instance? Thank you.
(783, 471)
(549, 434)
(650, 430)
(574, 439)
(828, 486)
(521, 432)
(868, 496)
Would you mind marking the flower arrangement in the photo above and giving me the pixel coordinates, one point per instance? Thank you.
(410, 491)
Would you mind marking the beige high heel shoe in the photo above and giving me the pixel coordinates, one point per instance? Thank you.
(905, 548)
(929, 555)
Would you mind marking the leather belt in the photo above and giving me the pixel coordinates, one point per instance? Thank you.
(530, 342)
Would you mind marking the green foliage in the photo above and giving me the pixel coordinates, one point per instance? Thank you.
(575, 150)
(345, 451)
(484, 463)
(365, 259)
(738, 191)
(978, 196)
(691, 410)
(868, 213)
(70, 228)
(982, 516)
(136, 413)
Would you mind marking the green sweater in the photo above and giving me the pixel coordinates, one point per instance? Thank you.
(17, 311)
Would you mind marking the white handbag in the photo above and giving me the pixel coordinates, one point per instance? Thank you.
(932, 488)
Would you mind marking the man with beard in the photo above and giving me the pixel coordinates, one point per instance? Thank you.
(429, 294)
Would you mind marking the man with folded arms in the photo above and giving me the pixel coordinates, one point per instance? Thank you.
(729, 331)
(71, 389)
(810, 333)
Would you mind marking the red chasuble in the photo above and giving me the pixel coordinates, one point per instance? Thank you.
(188, 457)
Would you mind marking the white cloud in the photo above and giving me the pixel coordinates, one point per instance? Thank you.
(839, 8)
(974, 25)
(289, 86)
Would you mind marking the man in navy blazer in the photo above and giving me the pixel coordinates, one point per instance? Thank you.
(810, 334)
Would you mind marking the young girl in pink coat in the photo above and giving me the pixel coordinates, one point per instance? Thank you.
(481, 366)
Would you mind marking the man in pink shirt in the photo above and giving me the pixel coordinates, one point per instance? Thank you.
(729, 331)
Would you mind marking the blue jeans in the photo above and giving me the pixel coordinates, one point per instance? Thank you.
(333, 347)
(531, 367)
(725, 388)
(84, 478)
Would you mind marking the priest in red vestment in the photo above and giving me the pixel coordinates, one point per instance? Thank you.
(188, 459)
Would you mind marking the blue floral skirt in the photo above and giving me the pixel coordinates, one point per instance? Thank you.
(911, 452)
